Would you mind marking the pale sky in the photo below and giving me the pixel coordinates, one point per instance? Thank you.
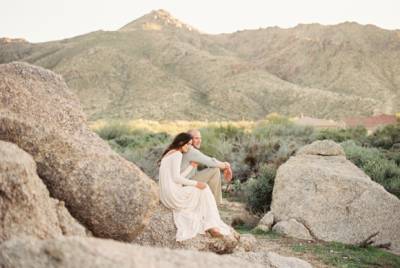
(46, 20)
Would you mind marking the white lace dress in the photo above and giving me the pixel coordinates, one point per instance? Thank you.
(194, 210)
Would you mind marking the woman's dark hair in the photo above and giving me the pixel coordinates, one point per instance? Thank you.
(180, 140)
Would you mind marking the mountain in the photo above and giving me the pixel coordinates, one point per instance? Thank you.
(346, 58)
(157, 67)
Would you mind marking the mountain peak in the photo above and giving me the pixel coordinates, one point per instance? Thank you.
(157, 20)
(161, 13)
(7, 40)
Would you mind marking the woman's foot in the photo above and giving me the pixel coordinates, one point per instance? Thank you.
(214, 232)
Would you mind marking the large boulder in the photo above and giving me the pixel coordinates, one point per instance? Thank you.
(105, 192)
(161, 232)
(94, 252)
(334, 199)
(25, 204)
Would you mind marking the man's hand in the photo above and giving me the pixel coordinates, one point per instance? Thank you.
(228, 174)
(223, 165)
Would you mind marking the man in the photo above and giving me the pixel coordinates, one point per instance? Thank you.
(210, 175)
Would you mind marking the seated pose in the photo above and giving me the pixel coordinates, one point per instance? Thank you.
(210, 175)
(194, 208)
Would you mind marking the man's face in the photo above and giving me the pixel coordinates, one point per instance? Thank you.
(196, 139)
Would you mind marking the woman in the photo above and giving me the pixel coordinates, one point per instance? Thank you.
(194, 208)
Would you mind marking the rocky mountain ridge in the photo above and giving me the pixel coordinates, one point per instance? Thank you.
(157, 67)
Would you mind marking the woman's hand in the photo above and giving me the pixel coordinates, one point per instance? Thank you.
(194, 164)
(201, 185)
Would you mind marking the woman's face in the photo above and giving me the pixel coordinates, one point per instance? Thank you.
(185, 148)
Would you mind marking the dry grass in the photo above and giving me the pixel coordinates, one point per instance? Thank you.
(172, 127)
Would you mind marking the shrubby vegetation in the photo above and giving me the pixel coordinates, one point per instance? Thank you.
(258, 189)
(386, 138)
(257, 149)
(376, 164)
(357, 134)
(377, 154)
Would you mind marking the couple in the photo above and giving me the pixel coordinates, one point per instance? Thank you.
(193, 203)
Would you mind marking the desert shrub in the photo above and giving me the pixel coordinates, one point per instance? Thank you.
(258, 190)
(252, 154)
(141, 147)
(271, 142)
(146, 158)
(282, 128)
(224, 143)
(113, 130)
(385, 137)
(376, 165)
(144, 139)
(220, 142)
(255, 153)
(393, 155)
(357, 134)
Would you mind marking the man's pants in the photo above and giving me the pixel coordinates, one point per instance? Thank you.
(211, 176)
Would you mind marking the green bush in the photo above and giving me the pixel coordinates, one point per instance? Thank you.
(256, 155)
(272, 143)
(145, 158)
(376, 165)
(138, 146)
(357, 134)
(284, 129)
(385, 137)
(258, 190)
(113, 130)
(393, 155)
(220, 142)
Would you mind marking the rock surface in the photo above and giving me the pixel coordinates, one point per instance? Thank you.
(25, 204)
(273, 260)
(266, 222)
(247, 243)
(69, 226)
(324, 147)
(105, 192)
(161, 232)
(335, 200)
(235, 213)
(292, 228)
(94, 252)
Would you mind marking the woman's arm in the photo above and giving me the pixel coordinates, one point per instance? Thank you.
(176, 176)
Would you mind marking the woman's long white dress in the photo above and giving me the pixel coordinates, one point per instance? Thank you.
(194, 210)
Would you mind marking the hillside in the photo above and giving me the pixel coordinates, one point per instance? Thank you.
(157, 67)
(346, 58)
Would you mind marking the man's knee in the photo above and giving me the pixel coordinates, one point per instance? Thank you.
(215, 176)
(216, 171)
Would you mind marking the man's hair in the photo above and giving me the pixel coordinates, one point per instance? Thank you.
(191, 131)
